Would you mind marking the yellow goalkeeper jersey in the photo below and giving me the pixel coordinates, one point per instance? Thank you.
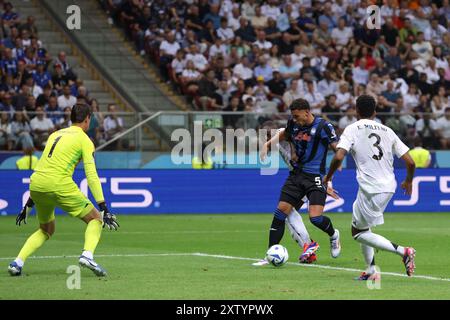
(65, 148)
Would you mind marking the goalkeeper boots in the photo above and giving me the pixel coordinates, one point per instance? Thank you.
(92, 265)
(14, 269)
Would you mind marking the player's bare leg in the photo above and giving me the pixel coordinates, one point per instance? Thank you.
(33, 243)
(324, 223)
(277, 228)
(92, 236)
(368, 238)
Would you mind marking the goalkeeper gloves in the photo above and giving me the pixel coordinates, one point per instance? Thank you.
(109, 219)
(22, 216)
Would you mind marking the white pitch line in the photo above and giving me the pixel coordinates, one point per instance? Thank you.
(131, 255)
(321, 266)
(218, 256)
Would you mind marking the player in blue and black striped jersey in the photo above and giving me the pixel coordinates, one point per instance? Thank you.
(311, 137)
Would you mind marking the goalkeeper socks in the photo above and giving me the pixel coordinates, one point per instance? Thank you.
(323, 223)
(376, 241)
(34, 242)
(277, 228)
(92, 235)
(88, 254)
(297, 228)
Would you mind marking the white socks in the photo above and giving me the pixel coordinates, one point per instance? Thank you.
(297, 228)
(88, 254)
(19, 262)
(376, 241)
(368, 253)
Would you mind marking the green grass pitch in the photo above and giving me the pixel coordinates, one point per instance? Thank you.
(151, 258)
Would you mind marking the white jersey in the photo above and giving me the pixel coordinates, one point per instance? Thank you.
(373, 146)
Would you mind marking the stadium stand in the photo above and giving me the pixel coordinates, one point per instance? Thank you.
(267, 53)
(41, 80)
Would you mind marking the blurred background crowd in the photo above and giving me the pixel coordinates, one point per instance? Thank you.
(258, 56)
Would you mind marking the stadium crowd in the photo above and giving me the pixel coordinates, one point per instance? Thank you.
(258, 56)
(37, 91)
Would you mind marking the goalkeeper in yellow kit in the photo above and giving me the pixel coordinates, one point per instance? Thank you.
(52, 186)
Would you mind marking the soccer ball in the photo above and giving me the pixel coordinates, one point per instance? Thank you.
(277, 255)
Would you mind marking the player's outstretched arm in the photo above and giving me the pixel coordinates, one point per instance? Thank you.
(95, 186)
(410, 169)
(335, 164)
(23, 215)
(274, 140)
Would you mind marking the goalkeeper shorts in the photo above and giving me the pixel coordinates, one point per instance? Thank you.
(72, 201)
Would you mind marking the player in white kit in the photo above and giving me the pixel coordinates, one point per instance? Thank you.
(373, 147)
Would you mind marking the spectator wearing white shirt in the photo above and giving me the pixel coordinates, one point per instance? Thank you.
(261, 41)
(217, 48)
(190, 74)
(400, 84)
(320, 61)
(421, 19)
(342, 34)
(443, 129)
(343, 97)
(297, 57)
(248, 9)
(348, 119)
(113, 125)
(225, 33)
(66, 99)
(315, 99)
(360, 73)
(423, 48)
(292, 94)
(388, 10)
(41, 127)
(178, 64)
(432, 71)
(167, 51)
(233, 18)
(36, 90)
(411, 99)
(435, 33)
(327, 85)
(440, 102)
(426, 128)
(441, 61)
(288, 70)
(226, 6)
(271, 10)
(338, 7)
(199, 60)
(374, 87)
(242, 70)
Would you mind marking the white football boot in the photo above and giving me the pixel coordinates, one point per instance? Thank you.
(92, 265)
(335, 244)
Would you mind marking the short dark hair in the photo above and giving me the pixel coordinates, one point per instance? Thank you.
(80, 112)
(366, 105)
(299, 104)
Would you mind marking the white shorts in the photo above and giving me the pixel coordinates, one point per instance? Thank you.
(368, 209)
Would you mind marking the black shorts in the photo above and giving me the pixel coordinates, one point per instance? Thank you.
(300, 184)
